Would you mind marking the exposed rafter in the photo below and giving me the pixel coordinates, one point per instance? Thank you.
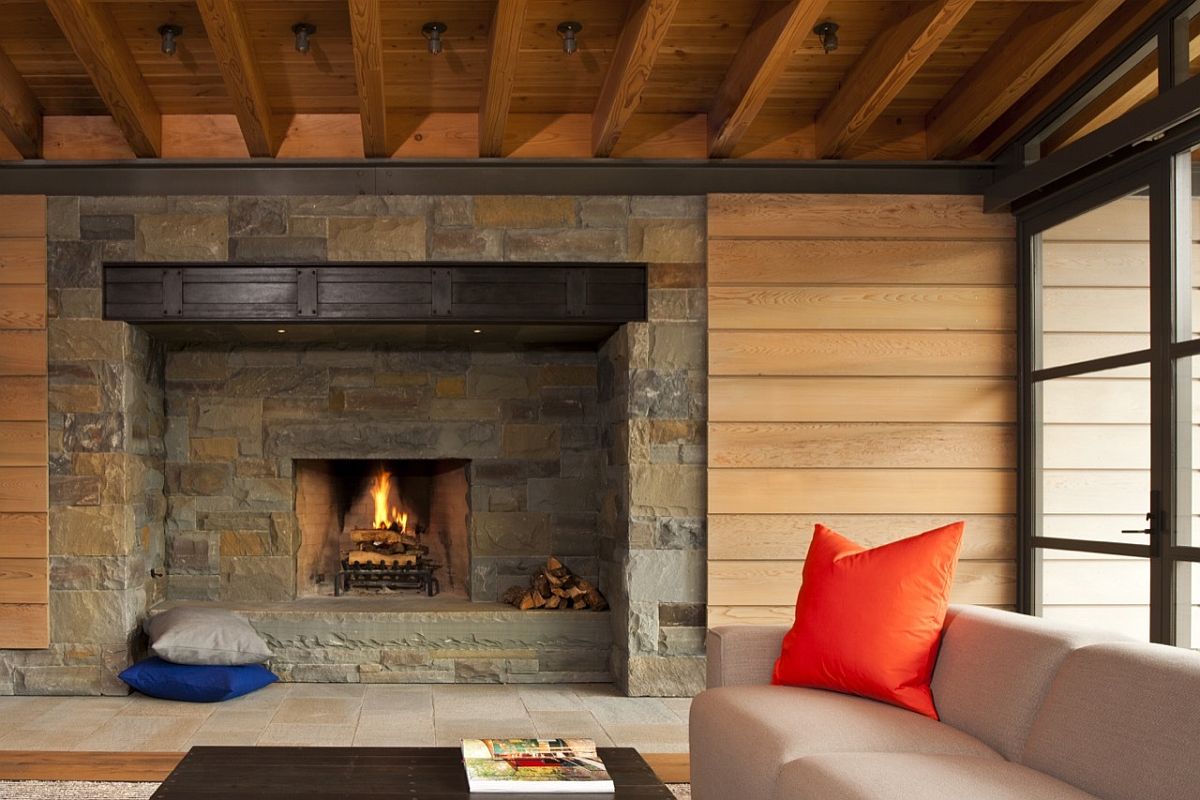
(94, 37)
(883, 70)
(756, 69)
(20, 112)
(366, 35)
(1067, 74)
(637, 48)
(1040, 38)
(503, 47)
(230, 41)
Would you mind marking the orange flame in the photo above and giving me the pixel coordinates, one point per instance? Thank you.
(381, 490)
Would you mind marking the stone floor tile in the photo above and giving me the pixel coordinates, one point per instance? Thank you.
(471, 702)
(279, 734)
(419, 733)
(327, 690)
(237, 720)
(550, 698)
(319, 711)
(142, 706)
(246, 738)
(387, 700)
(62, 738)
(570, 724)
(680, 706)
(17, 710)
(649, 738)
(630, 710)
(166, 733)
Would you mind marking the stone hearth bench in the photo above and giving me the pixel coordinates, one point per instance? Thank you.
(425, 640)
(1029, 711)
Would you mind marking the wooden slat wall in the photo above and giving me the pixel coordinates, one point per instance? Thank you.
(862, 357)
(24, 559)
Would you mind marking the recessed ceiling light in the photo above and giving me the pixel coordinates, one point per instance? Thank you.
(282, 330)
(477, 331)
(169, 34)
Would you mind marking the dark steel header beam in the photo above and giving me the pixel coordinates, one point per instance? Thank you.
(492, 176)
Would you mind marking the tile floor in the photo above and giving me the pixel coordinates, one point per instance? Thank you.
(345, 715)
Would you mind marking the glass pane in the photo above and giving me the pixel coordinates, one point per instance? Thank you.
(1129, 86)
(1095, 455)
(1188, 595)
(1111, 593)
(1095, 291)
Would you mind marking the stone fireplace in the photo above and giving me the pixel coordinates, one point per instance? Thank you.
(225, 464)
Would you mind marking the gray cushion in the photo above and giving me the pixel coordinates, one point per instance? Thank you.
(994, 670)
(196, 635)
(741, 735)
(1122, 721)
(743, 654)
(916, 776)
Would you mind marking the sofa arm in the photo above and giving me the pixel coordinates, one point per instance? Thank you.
(743, 654)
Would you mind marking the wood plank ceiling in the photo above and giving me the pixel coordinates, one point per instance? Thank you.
(694, 79)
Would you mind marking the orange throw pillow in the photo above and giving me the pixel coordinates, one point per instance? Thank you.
(868, 622)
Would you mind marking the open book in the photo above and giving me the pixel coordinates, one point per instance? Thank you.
(535, 765)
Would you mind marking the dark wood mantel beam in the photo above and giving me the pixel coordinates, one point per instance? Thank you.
(637, 48)
(226, 29)
(756, 69)
(1041, 37)
(20, 112)
(96, 40)
(504, 42)
(366, 36)
(883, 70)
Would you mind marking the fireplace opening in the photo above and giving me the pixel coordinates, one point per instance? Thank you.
(396, 526)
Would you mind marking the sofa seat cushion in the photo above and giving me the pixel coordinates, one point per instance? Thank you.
(740, 736)
(916, 776)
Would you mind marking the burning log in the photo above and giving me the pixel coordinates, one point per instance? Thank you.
(555, 586)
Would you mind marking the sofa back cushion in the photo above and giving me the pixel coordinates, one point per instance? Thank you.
(1122, 721)
(994, 670)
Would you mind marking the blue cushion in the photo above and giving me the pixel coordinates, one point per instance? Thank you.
(196, 684)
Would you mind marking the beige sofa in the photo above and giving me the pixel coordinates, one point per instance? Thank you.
(1029, 711)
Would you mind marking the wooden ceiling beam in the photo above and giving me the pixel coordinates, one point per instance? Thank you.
(1041, 37)
(637, 48)
(1067, 74)
(96, 40)
(230, 40)
(504, 42)
(20, 112)
(883, 70)
(366, 36)
(756, 69)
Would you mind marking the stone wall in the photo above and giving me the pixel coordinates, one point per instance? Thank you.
(106, 394)
(237, 420)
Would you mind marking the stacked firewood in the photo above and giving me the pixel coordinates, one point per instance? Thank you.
(385, 546)
(556, 586)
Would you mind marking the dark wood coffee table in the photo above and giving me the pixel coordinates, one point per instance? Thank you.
(325, 773)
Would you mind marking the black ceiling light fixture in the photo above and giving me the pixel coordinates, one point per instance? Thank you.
(433, 32)
(568, 30)
(827, 31)
(304, 32)
(169, 34)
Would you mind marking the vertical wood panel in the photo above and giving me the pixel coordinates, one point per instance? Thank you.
(24, 460)
(861, 374)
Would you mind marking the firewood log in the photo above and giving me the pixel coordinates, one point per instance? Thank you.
(526, 601)
(554, 602)
(541, 584)
(513, 594)
(539, 600)
(553, 563)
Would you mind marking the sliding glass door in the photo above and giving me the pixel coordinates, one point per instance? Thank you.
(1111, 443)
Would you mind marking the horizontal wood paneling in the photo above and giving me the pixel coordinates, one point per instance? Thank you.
(23, 398)
(23, 536)
(734, 583)
(846, 399)
(838, 262)
(861, 375)
(761, 537)
(24, 580)
(23, 444)
(23, 216)
(849, 216)
(782, 445)
(861, 491)
(25, 625)
(22, 353)
(23, 261)
(862, 308)
(24, 460)
(859, 353)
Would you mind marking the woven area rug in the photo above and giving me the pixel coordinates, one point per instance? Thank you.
(90, 790)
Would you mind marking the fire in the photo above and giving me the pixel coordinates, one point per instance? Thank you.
(386, 514)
